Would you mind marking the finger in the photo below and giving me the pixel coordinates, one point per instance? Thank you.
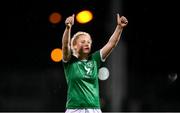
(73, 15)
(118, 16)
(73, 19)
(67, 21)
(125, 20)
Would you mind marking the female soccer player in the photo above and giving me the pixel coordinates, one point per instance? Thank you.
(81, 68)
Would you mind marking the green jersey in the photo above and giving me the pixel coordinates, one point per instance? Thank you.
(82, 81)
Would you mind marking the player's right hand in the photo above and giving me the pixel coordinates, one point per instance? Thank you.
(69, 21)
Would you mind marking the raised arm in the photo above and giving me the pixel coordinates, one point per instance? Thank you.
(114, 39)
(67, 38)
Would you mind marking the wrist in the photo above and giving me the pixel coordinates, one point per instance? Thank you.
(119, 26)
(68, 26)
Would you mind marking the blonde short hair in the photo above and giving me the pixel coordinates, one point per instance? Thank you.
(76, 36)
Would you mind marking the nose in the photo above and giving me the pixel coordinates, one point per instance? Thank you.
(86, 44)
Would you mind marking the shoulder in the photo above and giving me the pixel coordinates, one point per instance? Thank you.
(98, 55)
(73, 59)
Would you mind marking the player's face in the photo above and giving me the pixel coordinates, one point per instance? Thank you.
(83, 44)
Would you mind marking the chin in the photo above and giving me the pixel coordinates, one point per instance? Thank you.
(86, 52)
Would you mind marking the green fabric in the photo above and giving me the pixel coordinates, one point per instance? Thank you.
(82, 81)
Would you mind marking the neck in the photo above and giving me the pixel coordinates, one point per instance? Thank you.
(81, 56)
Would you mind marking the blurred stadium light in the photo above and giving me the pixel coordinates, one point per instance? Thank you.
(56, 55)
(55, 17)
(84, 16)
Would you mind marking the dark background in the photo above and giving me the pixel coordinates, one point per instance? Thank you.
(30, 81)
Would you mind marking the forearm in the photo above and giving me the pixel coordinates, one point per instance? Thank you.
(66, 44)
(114, 39)
(66, 37)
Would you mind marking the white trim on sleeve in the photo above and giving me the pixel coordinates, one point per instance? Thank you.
(103, 60)
(64, 61)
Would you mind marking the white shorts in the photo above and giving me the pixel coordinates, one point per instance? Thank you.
(83, 111)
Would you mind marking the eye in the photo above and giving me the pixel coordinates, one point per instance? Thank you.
(82, 41)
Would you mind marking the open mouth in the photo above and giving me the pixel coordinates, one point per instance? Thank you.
(86, 48)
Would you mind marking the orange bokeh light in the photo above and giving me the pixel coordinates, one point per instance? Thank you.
(55, 17)
(56, 55)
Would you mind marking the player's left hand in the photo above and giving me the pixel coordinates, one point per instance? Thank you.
(122, 21)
